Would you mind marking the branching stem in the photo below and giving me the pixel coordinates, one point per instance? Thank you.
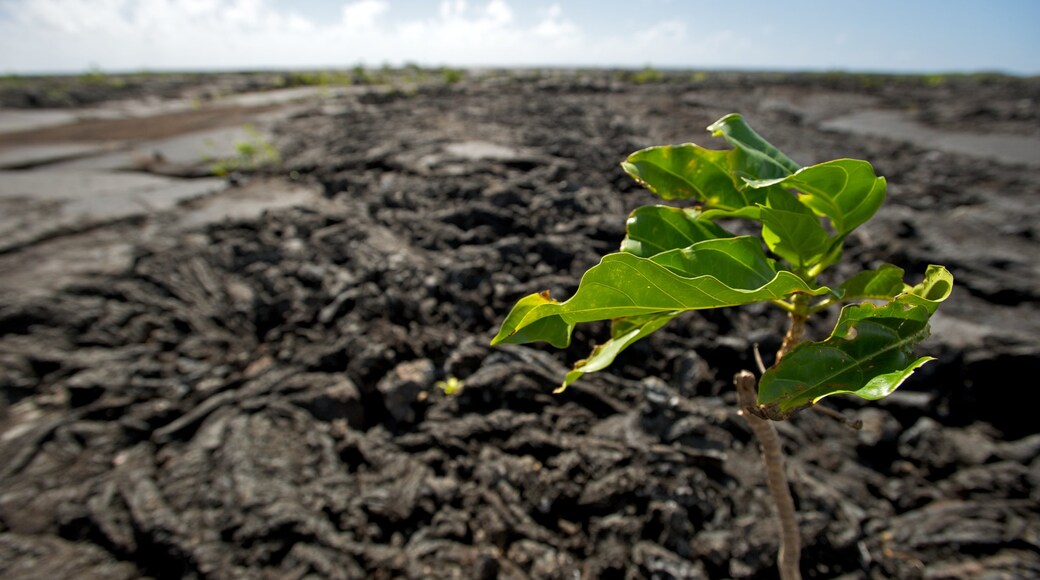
(785, 306)
(772, 456)
(823, 305)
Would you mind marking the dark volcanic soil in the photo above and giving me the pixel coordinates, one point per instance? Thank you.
(259, 400)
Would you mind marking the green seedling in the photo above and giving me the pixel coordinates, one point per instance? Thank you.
(678, 259)
(451, 386)
(254, 152)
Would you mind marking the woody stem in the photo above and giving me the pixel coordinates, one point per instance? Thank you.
(773, 458)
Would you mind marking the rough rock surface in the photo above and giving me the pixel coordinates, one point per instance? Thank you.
(259, 400)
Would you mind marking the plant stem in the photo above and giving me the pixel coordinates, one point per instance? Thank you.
(783, 305)
(773, 457)
(798, 315)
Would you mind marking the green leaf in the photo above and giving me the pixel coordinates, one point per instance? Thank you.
(751, 212)
(868, 354)
(692, 172)
(882, 284)
(716, 179)
(792, 231)
(709, 274)
(846, 191)
(833, 253)
(653, 229)
(551, 329)
(736, 262)
(624, 332)
(764, 160)
(934, 289)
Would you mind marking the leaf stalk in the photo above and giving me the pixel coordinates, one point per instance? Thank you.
(821, 306)
(783, 305)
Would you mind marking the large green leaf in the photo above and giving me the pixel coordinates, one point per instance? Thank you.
(709, 274)
(692, 172)
(751, 212)
(792, 231)
(764, 160)
(846, 191)
(653, 229)
(868, 354)
(716, 179)
(624, 332)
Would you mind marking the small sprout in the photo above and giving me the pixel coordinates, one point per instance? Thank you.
(451, 387)
(253, 153)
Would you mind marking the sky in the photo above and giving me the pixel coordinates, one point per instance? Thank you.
(919, 36)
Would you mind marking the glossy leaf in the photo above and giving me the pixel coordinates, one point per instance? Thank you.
(624, 333)
(833, 253)
(765, 161)
(751, 212)
(653, 229)
(934, 288)
(692, 172)
(868, 354)
(551, 329)
(882, 284)
(846, 191)
(792, 231)
(709, 274)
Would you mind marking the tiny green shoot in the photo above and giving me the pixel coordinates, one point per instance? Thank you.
(451, 386)
(252, 153)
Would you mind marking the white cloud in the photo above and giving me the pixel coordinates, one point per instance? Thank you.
(72, 35)
(194, 8)
(554, 26)
(247, 13)
(670, 31)
(362, 15)
(498, 13)
(69, 17)
(452, 8)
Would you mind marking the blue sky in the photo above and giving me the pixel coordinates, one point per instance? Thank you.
(881, 35)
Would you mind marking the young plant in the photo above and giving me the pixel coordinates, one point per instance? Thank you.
(256, 152)
(676, 259)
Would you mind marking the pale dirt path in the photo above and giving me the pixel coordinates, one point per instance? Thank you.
(80, 189)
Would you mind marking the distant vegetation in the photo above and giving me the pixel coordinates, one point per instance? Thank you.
(96, 85)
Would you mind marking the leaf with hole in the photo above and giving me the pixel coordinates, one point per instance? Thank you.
(868, 354)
